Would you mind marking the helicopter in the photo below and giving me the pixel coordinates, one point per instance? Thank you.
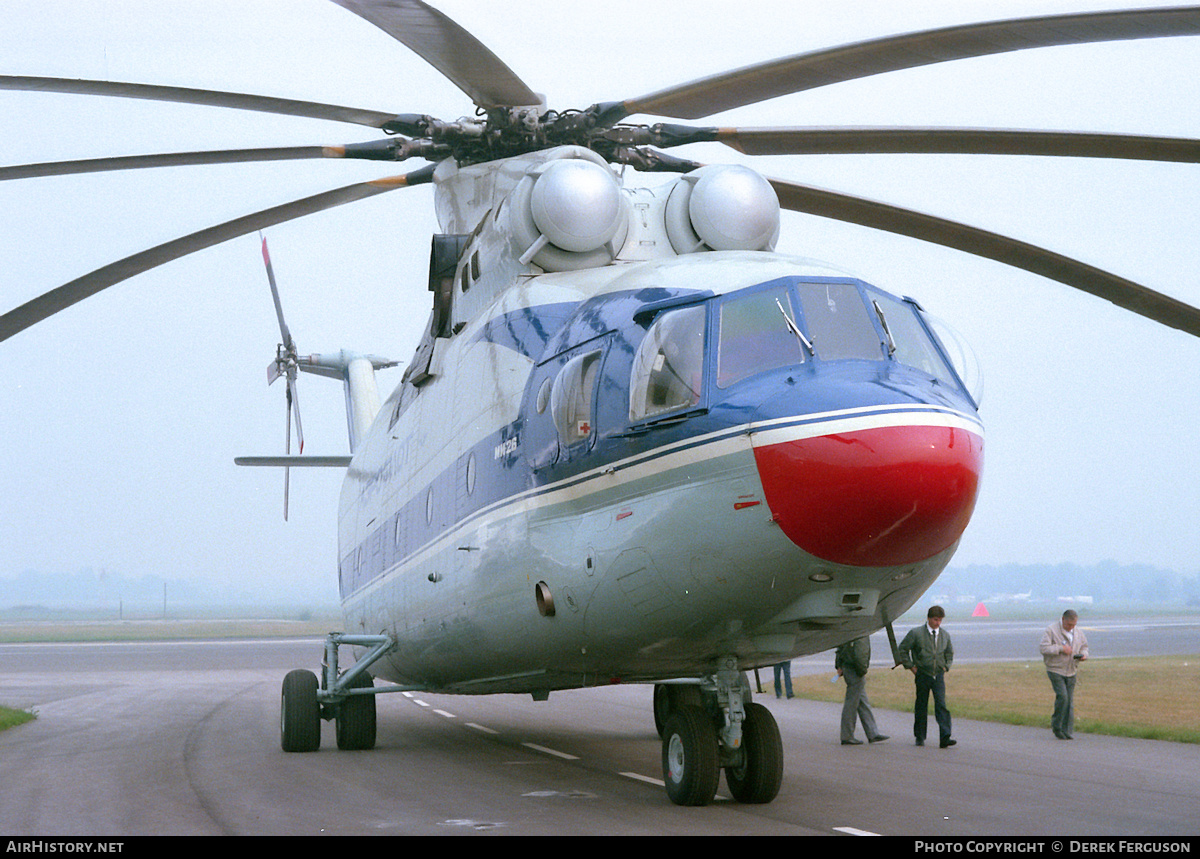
(628, 381)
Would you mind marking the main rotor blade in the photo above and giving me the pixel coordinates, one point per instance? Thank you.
(448, 48)
(392, 149)
(756, 83)
(956, 141)
(171, 159)
(881, 216)
(64, 296)
(210, 98)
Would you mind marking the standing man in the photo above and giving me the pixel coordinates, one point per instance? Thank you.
(852, 660)
(927, 652)
(784, 669)
(1063, 647)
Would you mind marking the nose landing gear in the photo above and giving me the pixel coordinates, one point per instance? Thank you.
(710, 726)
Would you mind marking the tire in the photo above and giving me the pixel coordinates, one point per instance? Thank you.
(299, 713)
(758, 777)
(662, 707)
(668, 698)
(356, 718)
(689, 757)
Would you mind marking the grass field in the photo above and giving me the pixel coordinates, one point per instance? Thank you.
(10, 718)
(1157, 698)
(151, 630)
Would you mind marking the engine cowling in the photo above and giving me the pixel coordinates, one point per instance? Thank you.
(722, 207)
(568, 213)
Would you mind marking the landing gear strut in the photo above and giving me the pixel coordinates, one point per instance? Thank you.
(710, 726)
(347, 698)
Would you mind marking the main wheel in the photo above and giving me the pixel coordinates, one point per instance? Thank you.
(299, 713)
(356, 718)
(690, 761)
(758, 777)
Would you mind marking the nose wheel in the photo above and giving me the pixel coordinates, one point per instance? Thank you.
(757, 778)
(723, 730)
(690, 761)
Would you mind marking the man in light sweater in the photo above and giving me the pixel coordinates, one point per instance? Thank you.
(1063, 647)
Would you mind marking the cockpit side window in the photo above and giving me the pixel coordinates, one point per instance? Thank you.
(668, 369)
(755, 334)
(838, 323)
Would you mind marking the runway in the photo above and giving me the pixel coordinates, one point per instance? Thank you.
(181, 738)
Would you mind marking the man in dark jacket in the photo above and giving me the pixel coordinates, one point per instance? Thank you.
(851, 661)
(927, 652)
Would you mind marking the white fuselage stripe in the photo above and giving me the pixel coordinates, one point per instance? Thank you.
(764, 437)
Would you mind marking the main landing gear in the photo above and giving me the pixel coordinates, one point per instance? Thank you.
(347, 698)
(711, 726)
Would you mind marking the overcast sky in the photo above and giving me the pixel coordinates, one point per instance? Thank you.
(120, 418)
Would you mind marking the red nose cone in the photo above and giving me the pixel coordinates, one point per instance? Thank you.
(873, 497)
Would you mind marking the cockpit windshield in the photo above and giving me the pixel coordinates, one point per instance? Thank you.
(908, 339)
(781, 324)
(838, 322)
(754, 335)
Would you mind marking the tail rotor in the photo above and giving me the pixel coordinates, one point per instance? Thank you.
(285, 365)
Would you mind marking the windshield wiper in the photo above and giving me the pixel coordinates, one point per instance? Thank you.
(795, 330)
(886, 331)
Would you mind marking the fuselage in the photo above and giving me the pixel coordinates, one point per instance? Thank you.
(621, 473)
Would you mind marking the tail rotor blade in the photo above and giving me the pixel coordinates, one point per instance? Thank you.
(283, 329)
(294, 408)
(287, 472)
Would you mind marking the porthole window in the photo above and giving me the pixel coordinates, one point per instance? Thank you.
(471, 474)
(429, 507)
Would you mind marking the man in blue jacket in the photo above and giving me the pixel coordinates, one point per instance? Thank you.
(928, 653)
